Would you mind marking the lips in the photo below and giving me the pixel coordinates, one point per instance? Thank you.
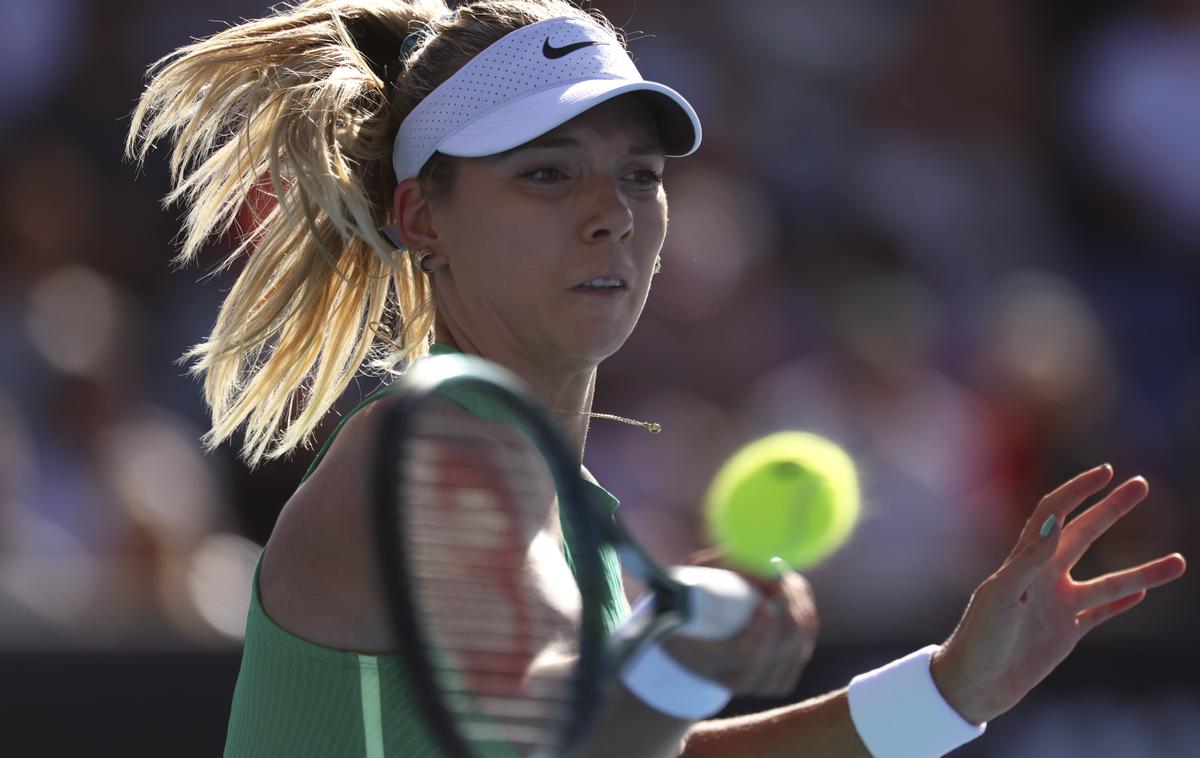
(603, 283)
(607, 279)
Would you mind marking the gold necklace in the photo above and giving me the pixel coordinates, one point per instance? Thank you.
(650, 426)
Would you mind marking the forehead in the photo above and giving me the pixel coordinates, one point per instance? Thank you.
(622, 119)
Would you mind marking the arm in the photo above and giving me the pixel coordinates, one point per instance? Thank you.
(823, 726)
(1021, 622)
(820, 727)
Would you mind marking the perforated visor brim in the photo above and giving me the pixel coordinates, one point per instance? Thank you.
(520, 121)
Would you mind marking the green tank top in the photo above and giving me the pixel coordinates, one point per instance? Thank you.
(295, 698)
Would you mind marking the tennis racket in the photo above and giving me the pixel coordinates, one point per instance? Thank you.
(500, 629)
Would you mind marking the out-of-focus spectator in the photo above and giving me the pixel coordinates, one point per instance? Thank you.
(120, 499)
(39, 51)
(1135, 110)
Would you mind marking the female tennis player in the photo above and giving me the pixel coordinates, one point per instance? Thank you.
(489, 181)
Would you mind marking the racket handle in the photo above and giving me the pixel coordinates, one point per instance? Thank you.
(721, 602)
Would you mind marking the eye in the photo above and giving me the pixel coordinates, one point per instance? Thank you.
(553, 173)
(648, 177)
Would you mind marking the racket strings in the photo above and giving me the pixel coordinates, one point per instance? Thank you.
(499, 639)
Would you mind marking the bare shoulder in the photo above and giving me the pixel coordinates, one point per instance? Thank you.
(317, 579)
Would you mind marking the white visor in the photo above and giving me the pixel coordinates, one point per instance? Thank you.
(527, 83)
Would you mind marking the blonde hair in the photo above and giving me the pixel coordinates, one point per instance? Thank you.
(297, 103)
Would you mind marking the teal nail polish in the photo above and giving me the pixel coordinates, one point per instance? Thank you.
(1048, 526)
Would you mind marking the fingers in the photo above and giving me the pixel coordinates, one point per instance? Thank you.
(803, 606)
(804, 626)
(791, 608)
(712, 557)
(780, 670)
(1094, 617)
(1079, 535)
(1121, 584)
(763, 650)
(1033, 550)
(1063, 500)
(1019, 571)
(786, 675)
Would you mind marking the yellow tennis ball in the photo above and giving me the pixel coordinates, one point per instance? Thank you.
(791, 494)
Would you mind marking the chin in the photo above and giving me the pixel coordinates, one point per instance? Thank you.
(595, 345)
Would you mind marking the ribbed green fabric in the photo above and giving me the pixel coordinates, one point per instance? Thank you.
(296, 699)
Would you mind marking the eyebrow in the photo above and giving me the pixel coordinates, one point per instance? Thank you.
(552, 141)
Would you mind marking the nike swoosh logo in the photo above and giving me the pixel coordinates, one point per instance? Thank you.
(558, 52)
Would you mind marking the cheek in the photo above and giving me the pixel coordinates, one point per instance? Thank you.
(507, 254)
(651, 228)
(660, 222)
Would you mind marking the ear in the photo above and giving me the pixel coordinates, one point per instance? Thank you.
(414, 216)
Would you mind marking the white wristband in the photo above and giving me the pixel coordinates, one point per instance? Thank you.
(662, 683)
(900, 713)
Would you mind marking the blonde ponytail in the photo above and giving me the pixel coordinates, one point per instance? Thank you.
(296, 104)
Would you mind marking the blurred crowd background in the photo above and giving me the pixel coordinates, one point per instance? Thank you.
(959, 237)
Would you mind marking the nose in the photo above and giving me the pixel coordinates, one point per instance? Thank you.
(609, 215)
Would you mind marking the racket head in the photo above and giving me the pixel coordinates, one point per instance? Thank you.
(505, 657)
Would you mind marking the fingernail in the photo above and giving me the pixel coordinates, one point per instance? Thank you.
(1048, 525)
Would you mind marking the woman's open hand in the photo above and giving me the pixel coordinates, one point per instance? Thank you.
(1028, 616)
